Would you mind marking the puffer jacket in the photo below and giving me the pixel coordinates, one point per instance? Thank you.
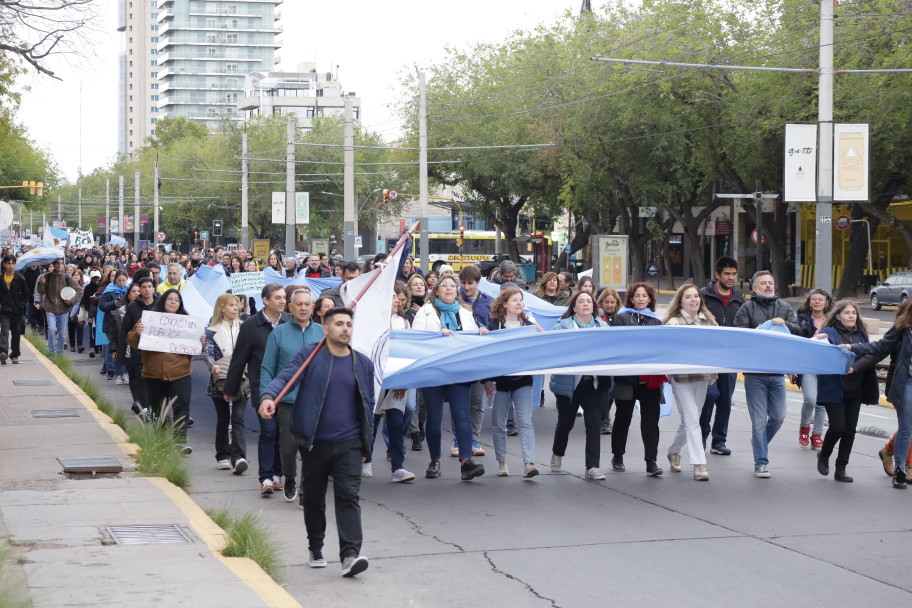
(724, 316)
(760, 309)
(830, 388)
(160, 366)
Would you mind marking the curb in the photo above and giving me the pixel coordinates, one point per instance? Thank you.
(247, 570)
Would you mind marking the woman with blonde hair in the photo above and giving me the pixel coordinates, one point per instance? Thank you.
(688, 308)
(221, 338)
(549, 290)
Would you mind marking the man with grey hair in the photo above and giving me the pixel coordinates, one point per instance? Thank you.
(314, 270)
(765, 392)
(507, 273)
(174, 280)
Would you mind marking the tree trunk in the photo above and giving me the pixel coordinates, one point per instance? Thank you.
(858, 248)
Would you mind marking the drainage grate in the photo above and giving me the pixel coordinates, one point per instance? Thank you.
(90, 464)
(32, 383)
(148, 535)
(64, 413)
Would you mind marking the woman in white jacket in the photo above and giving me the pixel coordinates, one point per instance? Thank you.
(687, 308)
(445, 312)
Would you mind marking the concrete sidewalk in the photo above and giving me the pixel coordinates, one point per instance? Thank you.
(59, 529)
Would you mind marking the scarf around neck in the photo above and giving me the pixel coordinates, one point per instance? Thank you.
(448, 314)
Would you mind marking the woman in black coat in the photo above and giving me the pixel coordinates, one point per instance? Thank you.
(843, 395)
(14, 299)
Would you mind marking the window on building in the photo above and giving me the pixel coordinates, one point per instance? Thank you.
(155, 87)
(232, 83)
(131, 63)
(154, 97)
(131, 74)
(154, 109)
(154, 39)
(210, 22)
(131, 39)
(154, 51)
(154, 28)
(131, 52)
(131, 86)
(211, 38)
(211, 7)
(131, 98)
(232, 9)
(154, 119)
(211, 51)
(231, 38)
(131, 28)
(154, 15)
(131, 122)
(154, 63)
(212, 112)
(153, 132)
(233, 24)
(154, 74)
(231, 68)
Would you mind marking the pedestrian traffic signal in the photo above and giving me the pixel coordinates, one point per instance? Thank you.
(196, 235)
(216, 227)
(386, 195)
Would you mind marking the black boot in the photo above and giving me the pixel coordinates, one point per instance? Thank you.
(840, 475)
(823, 464)
(899, 479)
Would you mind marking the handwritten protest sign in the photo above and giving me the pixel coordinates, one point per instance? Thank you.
(166, 333)
(247, 283)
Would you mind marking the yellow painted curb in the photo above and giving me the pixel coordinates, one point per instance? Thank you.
(215, 538)
(117, 434)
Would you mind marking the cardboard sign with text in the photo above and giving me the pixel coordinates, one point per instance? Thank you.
(247, 283)
(167, 333)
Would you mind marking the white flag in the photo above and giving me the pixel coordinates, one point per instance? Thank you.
(373, 314)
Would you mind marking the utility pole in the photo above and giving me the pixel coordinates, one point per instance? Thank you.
(289, 189)
(136, 212)
(758, 210)
(155, 204)
(59, 212)
(108, 209)
(245, 168)
(80, 210)
(823, 252)
(425, 260)
(31, 223)
(120, 205)
(349, 215)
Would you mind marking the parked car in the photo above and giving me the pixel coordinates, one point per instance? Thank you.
(363, 258)
(895, 290)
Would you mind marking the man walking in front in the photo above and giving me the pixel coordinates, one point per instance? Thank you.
(765, 392)
(332, 423)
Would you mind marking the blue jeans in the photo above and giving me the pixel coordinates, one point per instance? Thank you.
(904, 432)
(108, 360)
(718, 395)
(521, 398)
(809, 406)
(458, 397)
(270, 460)
(57, 325)
(411, 402)
(766, 406)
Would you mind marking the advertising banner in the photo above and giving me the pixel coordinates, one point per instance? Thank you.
(850, 162)
(800, 163)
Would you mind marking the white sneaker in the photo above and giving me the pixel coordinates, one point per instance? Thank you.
(700, 472)
(223, 465)
(674, 461)
(240, 466)
(529, 470)
(761, 472)
(120, 380)
(402, 475)
(502, 469)
(316, 560)
(366, 470)
(556, 463)
(594, 473)
(579, 411)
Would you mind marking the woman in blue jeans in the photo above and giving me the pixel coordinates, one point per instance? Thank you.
(812, 317)
(445, 312)
(897, 343)
(507, 312)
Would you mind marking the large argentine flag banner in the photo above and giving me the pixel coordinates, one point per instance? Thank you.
(419, 358)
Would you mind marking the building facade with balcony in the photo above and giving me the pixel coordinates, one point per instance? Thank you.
(205, 49)
(138, 92)
(304, 94)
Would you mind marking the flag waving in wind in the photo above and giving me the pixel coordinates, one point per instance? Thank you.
(371, 323)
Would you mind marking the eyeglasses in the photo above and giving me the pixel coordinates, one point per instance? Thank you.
(175, 300)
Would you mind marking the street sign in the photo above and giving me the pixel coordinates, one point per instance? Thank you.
(261, 250)
(648, 211)
(358, 240)
(723, 227)
(161, 236)
(843, 222)
(393, 195)
(567, 248)
(754, 236)
(652, 270)
(204, 235)
(319, 246)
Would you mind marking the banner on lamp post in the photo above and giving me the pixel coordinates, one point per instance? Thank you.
(800, 163)
(302, 207)
(850, 162)
(278, 207)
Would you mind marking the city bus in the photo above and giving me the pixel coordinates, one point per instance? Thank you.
(478, 246)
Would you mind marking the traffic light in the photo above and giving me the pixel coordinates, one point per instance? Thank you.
(40, 186)
(386, 195)
(196, 235)
(216, 227)
(461, 235)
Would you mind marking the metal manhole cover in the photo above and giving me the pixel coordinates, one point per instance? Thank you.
(148, 535)
(32, 383)
(90, 464)
(62, 413)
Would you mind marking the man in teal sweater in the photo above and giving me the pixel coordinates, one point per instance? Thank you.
(284, 343)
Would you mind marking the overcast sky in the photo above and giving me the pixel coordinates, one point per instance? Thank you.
(370, 41)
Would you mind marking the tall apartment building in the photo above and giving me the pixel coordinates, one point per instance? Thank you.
(206, 47)
(305, 94)
(137, 86)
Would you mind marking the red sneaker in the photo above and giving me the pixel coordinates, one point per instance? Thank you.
(804, 434)
(816, 441)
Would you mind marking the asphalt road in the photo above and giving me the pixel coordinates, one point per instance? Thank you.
(560, 540)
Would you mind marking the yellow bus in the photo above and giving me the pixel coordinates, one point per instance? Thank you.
(478, 246)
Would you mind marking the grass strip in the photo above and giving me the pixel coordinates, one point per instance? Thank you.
(12, 592)
(159, 452)
(248, 537)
